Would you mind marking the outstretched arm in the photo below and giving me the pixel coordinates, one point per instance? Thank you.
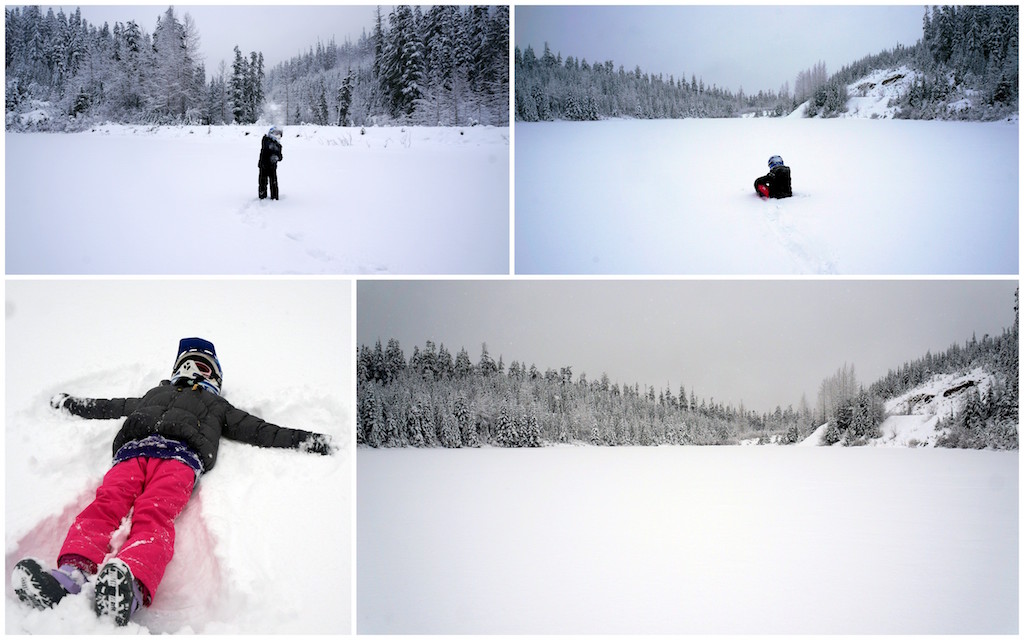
(94, 408)
(247, 428)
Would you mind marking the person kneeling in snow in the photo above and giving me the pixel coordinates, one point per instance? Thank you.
(169, 439)
(270, 155)
(777, 184)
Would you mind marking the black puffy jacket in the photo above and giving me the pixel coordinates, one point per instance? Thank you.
(779, 181)
(269, 149)
(194, 416)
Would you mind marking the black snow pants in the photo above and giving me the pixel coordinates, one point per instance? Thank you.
(268, 173)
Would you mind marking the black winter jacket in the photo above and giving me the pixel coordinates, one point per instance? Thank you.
(779, 181)
(271, 147)
(194, 416)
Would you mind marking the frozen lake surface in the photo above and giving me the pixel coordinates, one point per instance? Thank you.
(739, 540)
(183, 200)
(676, 197)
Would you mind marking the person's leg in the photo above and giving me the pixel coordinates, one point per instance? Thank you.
(88, 540)
(273, 183)
(263, 183)
(150, 545)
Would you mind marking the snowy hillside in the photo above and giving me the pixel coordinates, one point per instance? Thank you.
(183, 200)
(870, 96)
(914, 415)
(875, 95)
(680, 540)
(676, 197)
(264, 544)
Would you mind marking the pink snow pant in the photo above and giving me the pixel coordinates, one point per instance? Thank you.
(158, 490)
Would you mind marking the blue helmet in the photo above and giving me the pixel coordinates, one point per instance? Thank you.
(197, 362)
(774, 161)
(275, 132)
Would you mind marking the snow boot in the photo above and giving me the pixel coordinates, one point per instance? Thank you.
(44, 588)
(117, 592)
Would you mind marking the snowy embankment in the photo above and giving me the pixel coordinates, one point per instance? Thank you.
(676, 197)
(673, 540)
(183, 200)
(264, 546)
(913, 416)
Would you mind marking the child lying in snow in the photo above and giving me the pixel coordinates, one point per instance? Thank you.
(169, 439)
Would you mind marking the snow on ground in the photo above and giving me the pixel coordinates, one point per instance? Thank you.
(657, 197)
(183, 200)
(265, 544)
(913, 416)
(736, 540)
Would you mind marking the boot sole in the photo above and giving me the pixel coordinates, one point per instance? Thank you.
(114, 595)
(35, 585)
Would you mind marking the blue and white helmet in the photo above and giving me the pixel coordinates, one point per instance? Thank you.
(774, 161)
(197, 362)
(275, 132)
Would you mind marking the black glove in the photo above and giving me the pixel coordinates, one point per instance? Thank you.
(319, 443)
(57, 401)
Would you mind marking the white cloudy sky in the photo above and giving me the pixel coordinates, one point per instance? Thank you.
(763, 343)
(754, 47)
(279, 31)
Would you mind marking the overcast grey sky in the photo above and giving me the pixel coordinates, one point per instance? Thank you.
(764, 343)
(280, 32)
(756, 47)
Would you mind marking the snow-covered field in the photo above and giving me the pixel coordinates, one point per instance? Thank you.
(676, 197)
(741, 540)
(183, 200)
(265, 544)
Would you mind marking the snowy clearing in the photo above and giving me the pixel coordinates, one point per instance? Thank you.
(264, 546)
(738, 540)
(183, 200)
(676, 197)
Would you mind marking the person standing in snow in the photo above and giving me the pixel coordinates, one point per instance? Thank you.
(778, 182)
(270, 155)
(170, 438)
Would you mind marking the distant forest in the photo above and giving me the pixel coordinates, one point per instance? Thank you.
(447, 65)
(967, 57)
(435, 399)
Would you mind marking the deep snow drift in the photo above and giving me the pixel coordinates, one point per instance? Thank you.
(183, 200)
(738, 540)
(265, 543)
(887, 197)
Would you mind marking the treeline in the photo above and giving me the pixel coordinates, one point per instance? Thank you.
(966, 63)
(968, 56)
(550, 88)
(447, 65)
(85, 72)
(435, 399)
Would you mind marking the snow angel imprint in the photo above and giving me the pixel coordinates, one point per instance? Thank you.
(170, 438)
